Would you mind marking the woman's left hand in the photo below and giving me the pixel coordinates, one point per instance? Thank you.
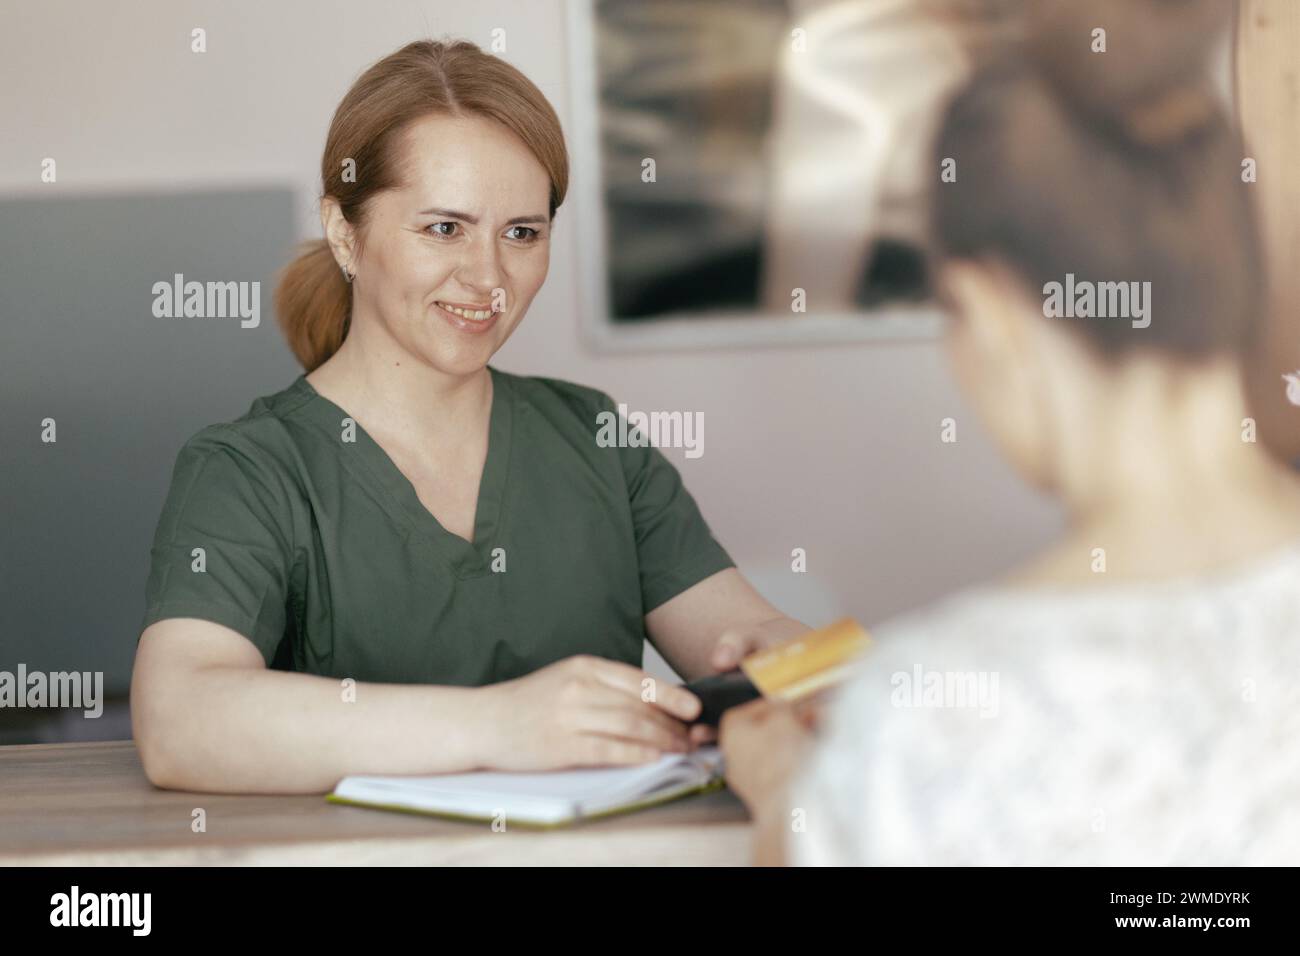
(736, 643)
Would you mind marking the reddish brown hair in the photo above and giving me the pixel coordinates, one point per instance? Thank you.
(313, 302)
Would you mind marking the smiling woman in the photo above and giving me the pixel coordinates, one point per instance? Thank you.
(451, 568)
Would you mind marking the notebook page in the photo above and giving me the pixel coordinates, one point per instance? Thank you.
(568, 789)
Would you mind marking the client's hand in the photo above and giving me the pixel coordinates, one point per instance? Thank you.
(585, 711)
(737, 643)
(764, 743)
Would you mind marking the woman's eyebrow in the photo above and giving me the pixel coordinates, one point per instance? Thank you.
(473, 220)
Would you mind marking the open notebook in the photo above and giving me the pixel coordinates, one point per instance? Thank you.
(539, 799)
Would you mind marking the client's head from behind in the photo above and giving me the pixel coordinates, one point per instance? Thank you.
(1098, 250)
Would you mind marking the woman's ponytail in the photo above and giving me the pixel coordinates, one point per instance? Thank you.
(313, 304)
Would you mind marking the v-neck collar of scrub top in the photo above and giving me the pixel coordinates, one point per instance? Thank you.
(372, 465)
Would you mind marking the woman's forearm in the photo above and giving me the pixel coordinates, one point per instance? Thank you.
(722, 609)
(232, 730)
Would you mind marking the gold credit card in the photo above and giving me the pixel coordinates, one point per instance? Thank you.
(806, 664)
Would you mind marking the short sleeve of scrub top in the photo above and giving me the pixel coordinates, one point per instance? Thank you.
(292, 527)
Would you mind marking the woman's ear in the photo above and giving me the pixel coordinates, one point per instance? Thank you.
(990, 308)
(338, 233)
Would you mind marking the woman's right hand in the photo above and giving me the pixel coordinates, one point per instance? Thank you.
(585, 711)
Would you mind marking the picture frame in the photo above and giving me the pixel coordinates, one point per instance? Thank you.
(605, 327)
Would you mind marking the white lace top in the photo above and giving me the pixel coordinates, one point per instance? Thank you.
(1151, 725)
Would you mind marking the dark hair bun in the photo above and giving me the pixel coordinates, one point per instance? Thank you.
(1153, 80)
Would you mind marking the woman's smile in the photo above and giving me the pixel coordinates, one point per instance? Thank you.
(474, 319)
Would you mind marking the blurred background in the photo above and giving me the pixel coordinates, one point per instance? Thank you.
(790, 140)
(207, 164)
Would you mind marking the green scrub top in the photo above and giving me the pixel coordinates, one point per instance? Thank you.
(318, 550)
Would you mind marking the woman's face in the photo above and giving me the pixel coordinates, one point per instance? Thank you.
(451, 260)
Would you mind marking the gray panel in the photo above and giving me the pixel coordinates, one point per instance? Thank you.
(79, 343)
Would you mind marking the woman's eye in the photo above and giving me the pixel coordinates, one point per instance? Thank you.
(530, 233)
(443, 229)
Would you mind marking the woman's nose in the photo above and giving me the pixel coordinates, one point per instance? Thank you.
(480, 270)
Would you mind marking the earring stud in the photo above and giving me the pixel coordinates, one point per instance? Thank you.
(346, 275)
